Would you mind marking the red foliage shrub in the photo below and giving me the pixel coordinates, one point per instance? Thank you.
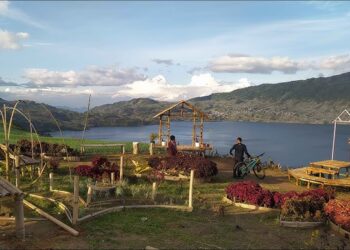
(252, 193)
(185, 163)
(338, 211)
(100, 165)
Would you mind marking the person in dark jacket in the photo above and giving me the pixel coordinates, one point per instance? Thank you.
(172, 149)
(240, 149)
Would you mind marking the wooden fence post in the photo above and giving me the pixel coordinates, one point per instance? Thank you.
(112, 178)
(51, 181)
(19, 217)
(154, 190)
(89, 195)
(190, 195)
(17, 170)
(151, 148)
(135, 148)
(121, 170)
(76, 200)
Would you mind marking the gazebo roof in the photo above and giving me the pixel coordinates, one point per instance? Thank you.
(343, 118)
(165, 112)
(7, 189)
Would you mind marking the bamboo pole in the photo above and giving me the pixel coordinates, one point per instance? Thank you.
(17, 170)
(201, 130)
(89, 195)
(121, 168)
(20, 230)
(168, 127)
(151, 148)
(76, 200)
(190, 195)
(194, 130)
(51, 181)
(51, 218)
(154, 190)
(112, 178)
(160, 131)
(7, 156)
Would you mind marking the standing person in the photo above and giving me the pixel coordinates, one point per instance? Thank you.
(172, 149)
(240, 149)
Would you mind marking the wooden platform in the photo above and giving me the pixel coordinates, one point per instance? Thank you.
(301, 175)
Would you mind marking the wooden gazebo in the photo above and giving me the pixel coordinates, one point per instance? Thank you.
(182, 110)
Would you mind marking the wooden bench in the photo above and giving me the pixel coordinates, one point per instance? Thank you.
(320, 171)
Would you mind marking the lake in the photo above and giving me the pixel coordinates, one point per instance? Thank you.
(291, 145)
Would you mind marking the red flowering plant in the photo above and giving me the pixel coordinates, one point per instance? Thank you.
(184, 163)
(100, 165)
(338, 211)
(252, 193)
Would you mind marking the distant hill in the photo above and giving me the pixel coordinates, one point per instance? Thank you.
(315, 100)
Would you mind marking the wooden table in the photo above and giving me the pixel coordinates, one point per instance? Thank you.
(333, 165)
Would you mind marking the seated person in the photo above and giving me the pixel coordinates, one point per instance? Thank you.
(172, 149)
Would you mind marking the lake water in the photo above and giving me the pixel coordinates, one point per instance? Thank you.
(289, 144)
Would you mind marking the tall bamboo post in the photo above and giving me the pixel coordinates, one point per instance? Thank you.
(76, 200)
(112, 178)
(19, 217)
(17, 170)
(89, 195)
(51, 181)
(160, 132)
(7, 156)
(194, 129)
(154, 190)
(190, 195)
(121, 168)
(201, 130)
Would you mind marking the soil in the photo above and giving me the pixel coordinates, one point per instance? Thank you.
(204, 228)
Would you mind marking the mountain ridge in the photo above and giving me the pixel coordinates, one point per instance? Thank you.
(313, 100)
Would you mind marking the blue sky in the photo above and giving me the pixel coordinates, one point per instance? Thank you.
(61, 51)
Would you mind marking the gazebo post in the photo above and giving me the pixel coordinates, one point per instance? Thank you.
(168, 127)
(194, 129)
(160, 132)
(334, 133)
(201, 130)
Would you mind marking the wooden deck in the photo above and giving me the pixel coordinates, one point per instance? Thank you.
(301, 175)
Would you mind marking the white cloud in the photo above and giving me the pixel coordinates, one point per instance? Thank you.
(248, 64)
(10, 40)
(18, 15)
(92, 76)
(336, 63)
(159, 88)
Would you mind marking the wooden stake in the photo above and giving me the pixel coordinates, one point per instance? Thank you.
(151, 148)
(76, 200)
(121, 169)
(19, 214)
(112, 178)
(51, 181)
(17, 169)
(154, 190)
(190, 198)
(89, 195)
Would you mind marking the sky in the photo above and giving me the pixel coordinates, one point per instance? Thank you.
(60, 52)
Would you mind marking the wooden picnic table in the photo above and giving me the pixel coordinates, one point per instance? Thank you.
(333, 165)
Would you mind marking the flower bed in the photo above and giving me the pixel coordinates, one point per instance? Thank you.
(338, 211)
(183, 164)
(100, 167)
(252, 193)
